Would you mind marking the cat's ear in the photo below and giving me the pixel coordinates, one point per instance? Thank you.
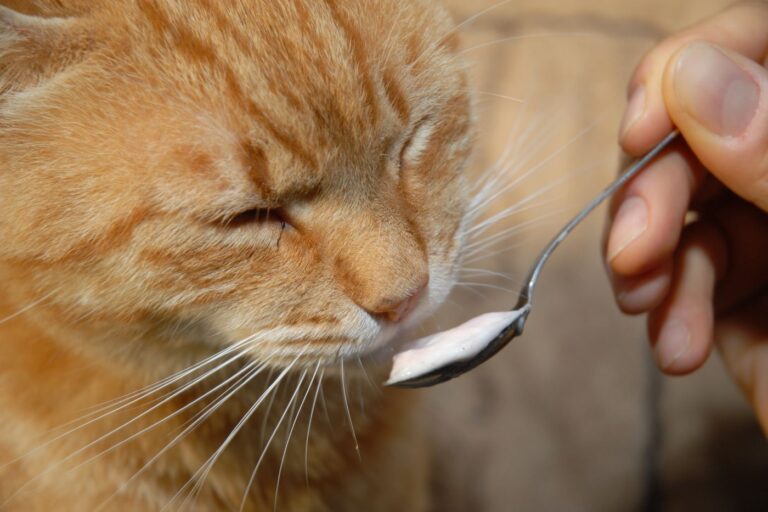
(31, 28)
(30, 46)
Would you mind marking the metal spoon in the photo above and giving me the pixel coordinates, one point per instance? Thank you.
(460, 360)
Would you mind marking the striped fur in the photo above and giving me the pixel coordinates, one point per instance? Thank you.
(135, 138)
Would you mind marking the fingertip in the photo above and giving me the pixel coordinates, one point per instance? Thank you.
(682, 338)
(640, 134)
(682, 328)
(650, 214)
(645, 122)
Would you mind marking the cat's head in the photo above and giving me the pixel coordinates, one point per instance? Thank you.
(284, 172)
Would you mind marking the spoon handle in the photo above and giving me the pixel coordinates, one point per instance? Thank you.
(526, 294)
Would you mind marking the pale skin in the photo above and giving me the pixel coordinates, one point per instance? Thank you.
(701, 279)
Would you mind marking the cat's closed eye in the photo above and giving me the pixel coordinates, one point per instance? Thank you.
(267, 217)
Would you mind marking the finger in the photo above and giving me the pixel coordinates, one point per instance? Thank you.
(742, 339)
(742, 28)
(649, 214)
(718, 101)
(681, 329)
(745, 230)
(637, 295)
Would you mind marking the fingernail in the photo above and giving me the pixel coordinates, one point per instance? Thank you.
(673, 343)
(631, 222)
(714, 90)
(635, 110)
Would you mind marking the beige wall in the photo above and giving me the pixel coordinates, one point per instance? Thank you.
(573, 416)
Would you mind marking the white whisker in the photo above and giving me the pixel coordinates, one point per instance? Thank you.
(269, 442)
(309, 425)
(290, 434)
(29, 307)
(202, 474)
(523, 37)
(254, 368)
(346, 407)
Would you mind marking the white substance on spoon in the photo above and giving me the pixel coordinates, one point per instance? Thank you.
(454, 345)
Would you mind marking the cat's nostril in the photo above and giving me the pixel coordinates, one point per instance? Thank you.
(396, 311)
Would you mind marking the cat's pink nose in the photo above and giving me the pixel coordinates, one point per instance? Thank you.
(396, 311)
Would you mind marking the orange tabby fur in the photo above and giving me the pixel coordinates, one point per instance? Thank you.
(133, 134)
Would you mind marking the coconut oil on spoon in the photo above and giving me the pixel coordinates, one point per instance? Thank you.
(449, 354)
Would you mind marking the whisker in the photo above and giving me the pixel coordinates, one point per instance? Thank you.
(265, 419)
(467, 284)
(503, 236)
(269, 442)
(290, 434)
(480, 273)
(484, 256)
(29, 306)
(136, 396)
(99, 414)
(346, 407)
(254, 369)
(458, 27)
(325, 407)
(497, 95)
(523, 37)
(126, 424)
(517, 208)
(528, 173)
(208, 465)
(309, 425)
(367, 375)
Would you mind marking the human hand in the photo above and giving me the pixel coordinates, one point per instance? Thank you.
(687, 240)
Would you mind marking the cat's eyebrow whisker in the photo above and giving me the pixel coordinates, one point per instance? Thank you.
(458, 27)
(290, 433)
(475, 16)
(309, 425)
(523, 37)
(497, 95)
(389, 41)
(269, 442)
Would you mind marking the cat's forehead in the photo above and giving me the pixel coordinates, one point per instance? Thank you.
(311, 78)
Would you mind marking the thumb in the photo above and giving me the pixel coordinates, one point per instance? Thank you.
(719, 101)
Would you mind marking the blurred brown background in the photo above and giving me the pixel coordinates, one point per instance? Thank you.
(574, 416)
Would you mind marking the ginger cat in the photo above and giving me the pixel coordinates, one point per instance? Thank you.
(212, 213)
